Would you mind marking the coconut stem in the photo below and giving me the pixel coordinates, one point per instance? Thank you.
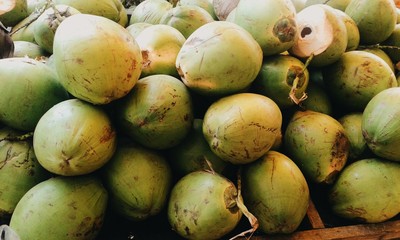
(292, 93)
(240, 204)
(56, 12)
(18, 138)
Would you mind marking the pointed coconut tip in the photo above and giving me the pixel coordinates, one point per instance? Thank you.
(315, 32)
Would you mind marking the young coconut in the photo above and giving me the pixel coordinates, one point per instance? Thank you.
(29, 89)
(61, 208)
(359, 76)
(353, 34)
(318, 144)
(98, 77)
(19, 170)
(186, 18)
(376, 19)
(276, 192)
(367, 191)
(159, 44)
(351, 123)
(136, 28)
(157, 113)
(284, 79)
(272, 23)
(242, 127)
(211, 63)
(206, 205)
(29, 49)
(74, 138)
(380, 125)
(46, 25)
(222, 8)
(13, 11)
(321, 34)
(337, 4)
(139, 181)
(150, 11)
(317, 99)
(204, 4)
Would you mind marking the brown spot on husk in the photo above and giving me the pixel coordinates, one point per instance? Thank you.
(285, 29)
(109, 134)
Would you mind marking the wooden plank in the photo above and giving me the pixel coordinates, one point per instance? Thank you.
(384, 231)
(313, 216)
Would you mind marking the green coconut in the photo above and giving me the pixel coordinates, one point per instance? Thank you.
(382, 54)
(353, 34)
(138, 180)
(97, 60)
(380, 125)
(35, 5)
(359, 76)
(74, 138)
(150, 11)
(29, 49)
(376, 19)
(19, 170)
(193, 154)
(318, 144)
(13, 11)
(29, 88)
(110, 9)
(203, 205)
(47, 24)
(242, 127)
(322, 34)
(157, 113)
(351, 123)
(61, 208)
(317, 100)
(282, 78)
(210, 63)
(367, 191)
(337, 4)
(23, 30)
(204, 4)
(276, 192)
(186, 18)
(275, 33)
(135, 28)
(160, 45)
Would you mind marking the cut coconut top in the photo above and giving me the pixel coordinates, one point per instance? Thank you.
(315, 31)
(6, 6)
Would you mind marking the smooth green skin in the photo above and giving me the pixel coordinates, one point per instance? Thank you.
(160, 44)
(359, 76)
(242, 127)
(110, 9)
(186, 18)
(105, 68)
(317, 143)
(204, 4)
(210, 63)
(157, 113)
(29, 88)
(21, 32)
(393, 40)
(276, 192)
(136, 28)
(74, 138)
(380, 125)
(317, 99)
(375, 19)
(324, 53)
(139, 181)
(47, 24)
(150, 11)
(30, 49)
(337, 4)
(202, 205)
(367, 190)
(17, 14)
(353, 34)
(61, 208)
(19, 171)
(276, 77)
(351, 123)
(193, 153)
(275, 33)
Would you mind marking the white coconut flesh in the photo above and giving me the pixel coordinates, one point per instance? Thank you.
(315, 30)
(6, 6)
